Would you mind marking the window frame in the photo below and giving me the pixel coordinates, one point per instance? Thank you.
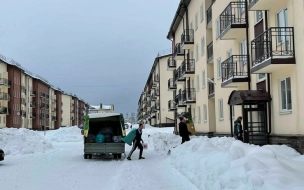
(219, 69)
(286, 110)
(205, 113)
(199, 113)
(202, 12)
(203, 46)
(221, 109)
(204, 79)
(196, 53)
(196, 21)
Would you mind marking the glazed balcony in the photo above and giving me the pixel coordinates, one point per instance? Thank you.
(171, 105)
(210, 53)
(187, 39)
(4, 96)
(188, 68)
(211, 89)
(5, 82)
(33, 104)
(32, 115)
(171, 64)
(273, 50)
(189, 96)
(33, 93)
(259, 5)
(234, 71)
(23, 89)
(233, 21)
(4, 110)
(178, 75)
(171, 84)
(179, 53)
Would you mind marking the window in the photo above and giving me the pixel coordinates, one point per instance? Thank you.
(259, 16)
(232, 112)
(242, 7)
(219, 68)
(221, 110)
(243, 51)
(261, 76)
(192, 55)
(191, 26)
(282, 19)
(193, 115)
(286, 95)
(202, 12)
(196, 52)
(218, 28)
(199, 113)
(197, 83)
(205, 113)
(203, 46)
(204, 79)
(196, 21)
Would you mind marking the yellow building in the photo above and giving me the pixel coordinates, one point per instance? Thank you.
(238, 58)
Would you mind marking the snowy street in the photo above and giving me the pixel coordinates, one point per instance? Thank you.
(55, 161)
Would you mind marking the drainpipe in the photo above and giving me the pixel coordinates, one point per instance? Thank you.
(247, 44)
(268, 85)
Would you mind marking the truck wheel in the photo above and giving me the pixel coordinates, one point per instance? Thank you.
(119, 156)
(85, 156)
(115, 156)
(90, 156)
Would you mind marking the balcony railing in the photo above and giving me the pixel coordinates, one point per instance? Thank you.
(23, 101)
(4, 96)
(33, 104)
(5, 82)
(171, 62)
(42, 105)
(232, 15)
(187, 37)
(210, 88)
(54, 118)
(32, 115)
(171, 105)
(274, 43)
(23, 113)
(210, 52)
(23, 89)
(4, 110)
(209, 16)
(157, 92)
(54, 101)
(178, 50)
(42, 95)
(156, 77)
(234, 66)
(47, 96)
(189, 95)
(148, 93)
(188, 66)
(33, 93)
(157, 105)
(171, 84)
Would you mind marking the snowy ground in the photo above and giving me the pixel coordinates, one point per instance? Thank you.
(55, 161)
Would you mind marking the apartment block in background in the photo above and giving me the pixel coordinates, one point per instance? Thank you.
(5, 84)
(59, 103)
(66, 109)
(108, 108)
(154, 102)
(74, 110)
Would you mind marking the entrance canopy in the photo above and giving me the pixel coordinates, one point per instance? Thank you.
(248, 97)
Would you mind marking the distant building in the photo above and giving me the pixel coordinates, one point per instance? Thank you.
(101, 109)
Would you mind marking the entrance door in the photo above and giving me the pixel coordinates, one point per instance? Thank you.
(255, 125)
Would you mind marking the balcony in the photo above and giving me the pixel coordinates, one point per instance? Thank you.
(259, 5)
(179, 101)
(54, 101)
(178, 75)
(33, 93)
(4, 96)
(4, 110)
(23, 113)
(47, 96)
(210, 53)
(209, 17)
(189, 96)
(157, 92)
(53, 109)
(179, 53)
(33, 104)
(5, 82)
(171, 84)
(42, 116)
(171, 105)
(234, 71)
(156, 78)
(149, 93)
(149, 103)
(171, 64)
(188, 68)
(273, 50)
(153, 97)
(157, 105)
(32, 115)
(187, 39)
(42, 105)
(23, 101)
(42, 95)
(233, 21)
(54, 118)
(211, 88)
(23, 89)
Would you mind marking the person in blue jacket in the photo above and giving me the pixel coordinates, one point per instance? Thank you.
(136, 143)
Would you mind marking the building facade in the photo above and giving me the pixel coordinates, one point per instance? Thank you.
(155, 99)
(238, 58)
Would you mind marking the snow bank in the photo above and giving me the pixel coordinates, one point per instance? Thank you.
(22, 141)
(225, 163)
(65, 134)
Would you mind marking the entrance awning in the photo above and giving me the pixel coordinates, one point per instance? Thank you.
(248, 97)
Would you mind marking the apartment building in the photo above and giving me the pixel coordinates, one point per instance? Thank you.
(238, 58)
(74, 110)
(81, 112)
(5, 84)
(66, 109)
(109, 108)
(59, 109)
(154, 102)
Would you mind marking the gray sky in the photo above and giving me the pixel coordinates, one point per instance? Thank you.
(87, 46)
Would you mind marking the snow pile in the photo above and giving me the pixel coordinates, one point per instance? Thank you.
(65, 134)
(22, 141)
(225, 163)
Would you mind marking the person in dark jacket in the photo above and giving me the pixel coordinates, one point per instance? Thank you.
(136, 143)
(238, 129)
(183, 130)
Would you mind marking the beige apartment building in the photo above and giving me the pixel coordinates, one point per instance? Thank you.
(4, 85)
(238, 58)
(153, 105)
(66, 109)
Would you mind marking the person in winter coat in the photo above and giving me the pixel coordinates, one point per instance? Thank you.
(183, 130)
(136, 143)
(238, 129)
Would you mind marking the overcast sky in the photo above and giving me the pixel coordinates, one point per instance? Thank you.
(100, 50)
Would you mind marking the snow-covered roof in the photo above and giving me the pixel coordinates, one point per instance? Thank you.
(99, 115)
